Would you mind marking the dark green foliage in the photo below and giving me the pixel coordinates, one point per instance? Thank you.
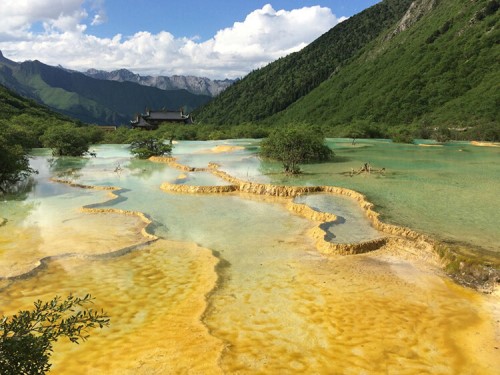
(93, 133)
(66, 140)
(19, 135)
(28, 114)
(14, 160)
(269, 90)
(145, 144)
(488, 10)
(215, 132)
(436, 34)
(295, 144)
(402, 135)
(487, 132)
(22, 122)
(26, 338)
(192, 132)
(442, 135)
(119, 136)
(423, 131)
(356, 129)
(187, 133)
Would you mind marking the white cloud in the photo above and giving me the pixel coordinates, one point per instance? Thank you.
(265, 35)
(98, 20)
(19, 15)
(100, 16)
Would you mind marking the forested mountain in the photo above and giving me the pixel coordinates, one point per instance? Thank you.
(432, 63)
(273, 88)
(195, 85)
(438, 67)
(15, 108)
(87, 99)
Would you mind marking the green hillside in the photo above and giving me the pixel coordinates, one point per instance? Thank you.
(24, 121)
(23, 125)
(435, 63)
(443, 70)
(14, 107)
(87, 99)
(273, 88)
(27, 116)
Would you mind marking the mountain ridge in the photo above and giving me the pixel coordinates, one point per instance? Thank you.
(440, 72)
(271, 89)
(193, 84)
(87, 99)
(433, 64)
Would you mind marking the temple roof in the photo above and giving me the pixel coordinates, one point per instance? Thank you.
(140, 122)
(151, 119)
(166, 115)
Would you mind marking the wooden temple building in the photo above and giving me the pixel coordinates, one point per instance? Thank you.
(152, 119)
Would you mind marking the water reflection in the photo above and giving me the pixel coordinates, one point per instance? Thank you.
(62, 166)
(21, 190)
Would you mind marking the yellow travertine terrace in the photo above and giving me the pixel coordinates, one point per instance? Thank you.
(209, 268)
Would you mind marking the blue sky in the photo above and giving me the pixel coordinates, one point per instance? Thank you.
(215, 39)
(201, 18)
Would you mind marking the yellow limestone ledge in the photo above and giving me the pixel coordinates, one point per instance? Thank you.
(293, 191)
(138, 214)
(485, 144)
(329, 248)
(93, 187)
(172, 162)
(309, 213)
(192, 189)
(156, 299)
(94, 210)
(225, 148)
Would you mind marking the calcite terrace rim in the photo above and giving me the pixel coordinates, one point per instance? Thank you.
(114, 191)
(290, 191)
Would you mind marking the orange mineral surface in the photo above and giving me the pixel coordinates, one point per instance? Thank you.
(155, 297)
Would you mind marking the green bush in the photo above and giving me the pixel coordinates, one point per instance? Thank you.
(295, 144)
(402, 135)
(145, 144)
(66, 140)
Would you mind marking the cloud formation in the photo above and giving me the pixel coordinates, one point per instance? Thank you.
(55, 32)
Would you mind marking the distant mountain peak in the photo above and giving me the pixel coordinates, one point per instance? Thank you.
(5, 60)
(90, 100)
(193, 84)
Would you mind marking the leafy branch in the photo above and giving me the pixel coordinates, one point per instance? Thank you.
(27, 337)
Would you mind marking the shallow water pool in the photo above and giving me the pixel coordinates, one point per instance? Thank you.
(235, 284)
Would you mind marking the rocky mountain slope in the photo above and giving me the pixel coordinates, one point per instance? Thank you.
(195, 85)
